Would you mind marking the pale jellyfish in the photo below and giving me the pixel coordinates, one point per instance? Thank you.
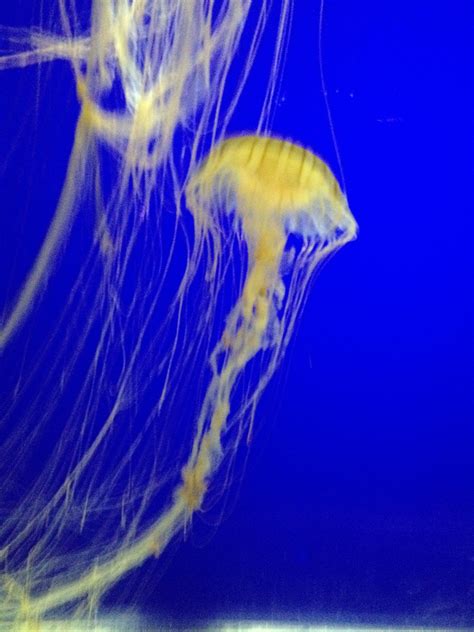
(147, 381)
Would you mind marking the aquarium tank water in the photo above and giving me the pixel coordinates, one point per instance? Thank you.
(236, 315)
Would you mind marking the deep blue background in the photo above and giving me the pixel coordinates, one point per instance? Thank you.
(357, 499)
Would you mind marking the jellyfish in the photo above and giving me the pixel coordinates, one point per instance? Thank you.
(273, 189)
(133, 399)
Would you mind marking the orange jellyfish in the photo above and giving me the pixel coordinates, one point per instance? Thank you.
(270, 188)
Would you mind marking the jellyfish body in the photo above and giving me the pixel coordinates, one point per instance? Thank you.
(272, 188)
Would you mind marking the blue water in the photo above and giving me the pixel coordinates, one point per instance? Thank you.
(357, 500)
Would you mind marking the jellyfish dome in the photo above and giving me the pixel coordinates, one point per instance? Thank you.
(159, 304)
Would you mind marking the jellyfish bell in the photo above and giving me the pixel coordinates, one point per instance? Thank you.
(273, 188)
(277, 186)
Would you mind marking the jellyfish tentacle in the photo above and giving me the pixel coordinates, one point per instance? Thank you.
(242, 339)
(252, 312)
(63, 219)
